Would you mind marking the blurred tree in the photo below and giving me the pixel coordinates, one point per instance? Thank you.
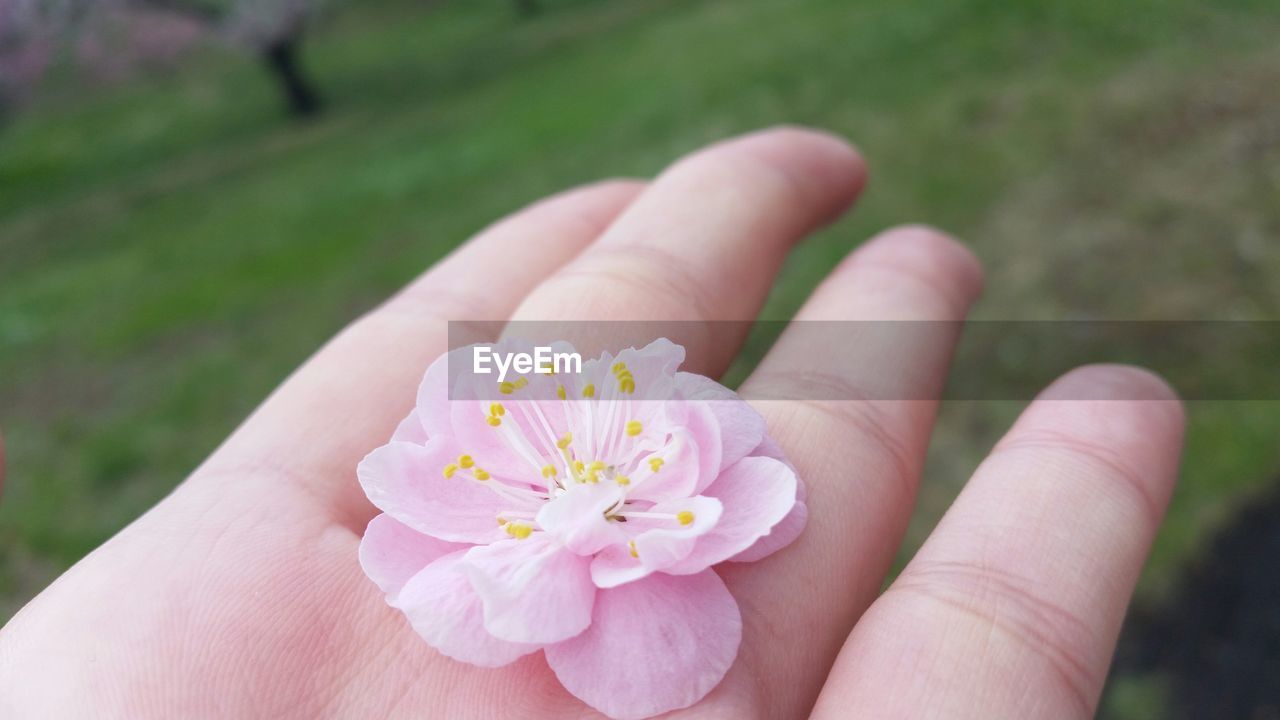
(31, 31)
(26, 47)
(271, 28)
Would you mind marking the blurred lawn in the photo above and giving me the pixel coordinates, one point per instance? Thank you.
(173, 247)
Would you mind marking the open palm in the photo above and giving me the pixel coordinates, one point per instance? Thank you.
(240, 594)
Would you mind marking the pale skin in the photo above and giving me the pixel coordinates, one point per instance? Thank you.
(239, 595)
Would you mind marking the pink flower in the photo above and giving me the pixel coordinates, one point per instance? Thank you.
(579, 514)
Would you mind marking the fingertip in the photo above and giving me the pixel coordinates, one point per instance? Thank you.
(1118, 381)
(927, 255)
(815, 170)
(818, 163)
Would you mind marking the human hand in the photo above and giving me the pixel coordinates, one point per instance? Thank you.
(240, 595)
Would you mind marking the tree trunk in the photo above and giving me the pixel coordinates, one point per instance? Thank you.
(282, 60)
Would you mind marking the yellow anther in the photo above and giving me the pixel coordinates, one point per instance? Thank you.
(619, 367)
(496, 411)
(626, 383)
(655, 464)
(685, 517)
(634, 427)
(521, 381)
(560, 393)
(449, 470)
(480, 474)
(632, 545)
(563, 442)
(549, 471)
(548, 369)
(623, 480)
(593, 470)
(519, 531)
(502, 521)
(465, 461)
(506, 388)
(579, 467)
(589, 391)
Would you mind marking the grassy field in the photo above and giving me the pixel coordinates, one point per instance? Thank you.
(172, 247)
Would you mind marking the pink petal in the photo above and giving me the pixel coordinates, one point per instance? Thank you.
(757, 493)
(782, 535)
(682, 471)
(785, 532)
(392, 552)
(658, 544)
(432, 406)
(445, 610)
(533, 590)
(615, 566)
(406, 481)
(741, 426)
(656, 645)
(410, 430)
(513, 447)
(577, 518)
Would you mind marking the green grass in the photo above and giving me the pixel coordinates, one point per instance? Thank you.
(173, 247)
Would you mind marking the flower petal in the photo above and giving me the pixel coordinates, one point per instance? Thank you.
(782, 535)
(786, 531)
(392, 552)
(681, 472)
(742, 427)
(432, 406)
(446, 611)
(757, 493)
(534, 590)
(656, 544)
(577, 517)
(406, 482)
(410, 430)
(655, 645)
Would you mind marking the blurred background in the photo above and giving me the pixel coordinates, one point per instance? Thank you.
(194, 194)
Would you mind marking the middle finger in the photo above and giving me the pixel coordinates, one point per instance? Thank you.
(703, 243)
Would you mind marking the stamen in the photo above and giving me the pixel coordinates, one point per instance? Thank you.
(631, 544)
(685, 517)
(560, 392)
(465, 461)
(549, 471)
(506, 388)
(623, 480)
(655, 464)
(496, 411)
(593, 471)
(634, 428)
(449, 470)
(480, 474)
(626, 382)
(589, 390)
(519, 531)
(563, 443)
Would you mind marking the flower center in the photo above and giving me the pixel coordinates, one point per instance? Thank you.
(611, 449)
